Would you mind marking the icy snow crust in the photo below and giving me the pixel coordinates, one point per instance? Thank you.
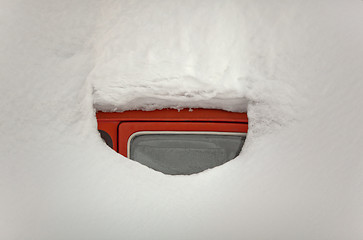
(170, 54)
(296, 66)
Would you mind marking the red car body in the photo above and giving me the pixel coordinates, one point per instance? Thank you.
(116, 128)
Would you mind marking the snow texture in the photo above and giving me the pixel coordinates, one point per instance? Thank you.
(295, 66)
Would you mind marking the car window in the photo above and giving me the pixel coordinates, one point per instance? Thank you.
(184, 153)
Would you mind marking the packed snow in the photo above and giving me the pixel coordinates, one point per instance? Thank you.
(296, 67)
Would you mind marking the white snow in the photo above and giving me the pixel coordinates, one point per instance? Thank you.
(296, 66)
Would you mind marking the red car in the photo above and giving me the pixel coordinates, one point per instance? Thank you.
(175, 142)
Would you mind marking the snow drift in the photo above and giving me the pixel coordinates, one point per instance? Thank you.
(295, 66)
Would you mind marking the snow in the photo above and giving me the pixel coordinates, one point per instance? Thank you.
(185, 56)
(296, 66)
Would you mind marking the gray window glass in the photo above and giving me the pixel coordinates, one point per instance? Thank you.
(184, 154)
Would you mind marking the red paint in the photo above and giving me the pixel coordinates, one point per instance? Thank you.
(120, 126)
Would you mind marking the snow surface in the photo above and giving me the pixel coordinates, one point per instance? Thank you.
(296, 66)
